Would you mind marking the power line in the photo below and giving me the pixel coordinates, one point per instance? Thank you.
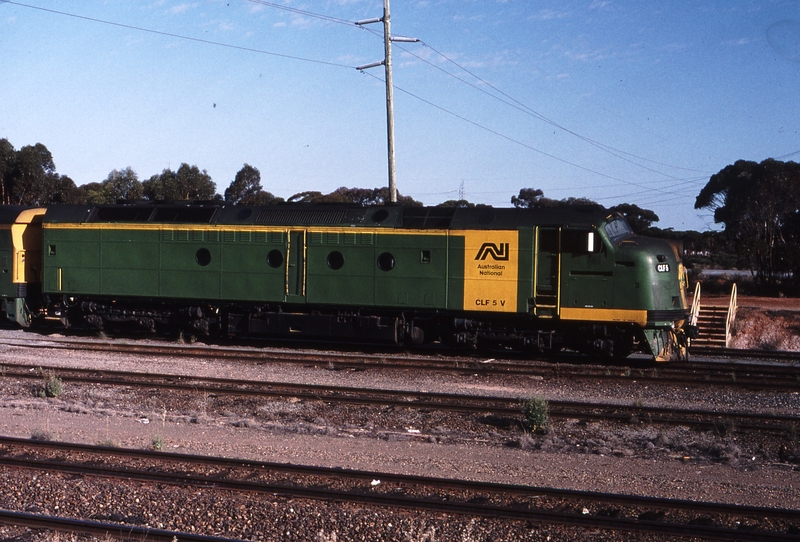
(178, 36)
(516, 104)
(303, 12)
(530, 147)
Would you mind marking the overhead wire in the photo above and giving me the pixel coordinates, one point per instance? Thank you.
(516, 104)
(495, 132)
(302, 12)
(173, 35)
(513, 102)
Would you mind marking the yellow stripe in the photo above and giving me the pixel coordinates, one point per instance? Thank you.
(604, 315)
(231, 227)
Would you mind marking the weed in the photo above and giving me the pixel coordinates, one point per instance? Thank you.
(52, 386)
(537, 413)
(157, 443)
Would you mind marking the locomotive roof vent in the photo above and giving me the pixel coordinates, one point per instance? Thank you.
(420, 218)
(184, 215)
(301, 217)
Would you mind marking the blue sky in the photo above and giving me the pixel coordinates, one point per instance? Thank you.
(613, 100)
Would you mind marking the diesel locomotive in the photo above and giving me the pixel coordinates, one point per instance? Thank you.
(541, 280)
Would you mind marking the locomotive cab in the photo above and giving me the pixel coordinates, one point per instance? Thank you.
(650, 276)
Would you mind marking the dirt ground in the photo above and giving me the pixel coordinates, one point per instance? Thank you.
(764, 323)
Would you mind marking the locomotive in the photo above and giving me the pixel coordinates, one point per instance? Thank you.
(539, 280)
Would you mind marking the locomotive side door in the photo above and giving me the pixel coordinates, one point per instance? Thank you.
(296, 267)
(546, 270)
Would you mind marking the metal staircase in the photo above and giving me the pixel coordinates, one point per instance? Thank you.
(714, 321)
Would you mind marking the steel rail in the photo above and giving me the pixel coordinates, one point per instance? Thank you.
(521, 512)
(745, 353)
(504, 406)
(743, 375)
(102, 530)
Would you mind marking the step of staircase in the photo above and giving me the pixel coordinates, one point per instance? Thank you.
(711, 322)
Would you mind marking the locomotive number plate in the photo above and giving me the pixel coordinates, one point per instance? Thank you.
(662, 268)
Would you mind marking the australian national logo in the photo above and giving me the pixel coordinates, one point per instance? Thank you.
(498, 253)
(490, 270)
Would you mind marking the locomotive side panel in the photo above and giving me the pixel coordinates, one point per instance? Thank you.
(340, 267)
(129, 262)
(411, 270)
(455, 272)
(588, 271)
(71, 260)
(190, 264)
(253, 265)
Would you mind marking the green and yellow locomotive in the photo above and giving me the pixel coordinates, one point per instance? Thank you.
(540, 280)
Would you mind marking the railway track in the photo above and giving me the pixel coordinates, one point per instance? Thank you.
(778, 377)
(505, 407)
(383, 490)
(742, 353)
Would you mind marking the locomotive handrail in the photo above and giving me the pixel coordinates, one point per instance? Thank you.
(695, 312)
(732, 306)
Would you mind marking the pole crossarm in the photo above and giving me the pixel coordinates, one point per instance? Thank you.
(387, 63)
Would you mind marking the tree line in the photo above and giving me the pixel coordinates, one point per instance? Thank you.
(757, 203)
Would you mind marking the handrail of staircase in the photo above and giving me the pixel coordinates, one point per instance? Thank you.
(732, 306)
(695, 312)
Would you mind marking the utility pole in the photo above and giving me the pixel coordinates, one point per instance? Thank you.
(387, 46)
(387, 63)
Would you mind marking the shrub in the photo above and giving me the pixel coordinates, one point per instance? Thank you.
(52, 386)
(157, 443)
(537, 413)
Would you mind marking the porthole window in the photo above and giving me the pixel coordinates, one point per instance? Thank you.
(380, 215)
(203, 257)
(335, 260)
(275, 258)
(386, 262)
